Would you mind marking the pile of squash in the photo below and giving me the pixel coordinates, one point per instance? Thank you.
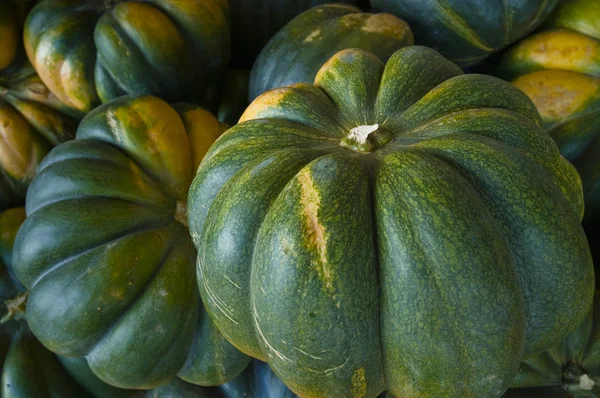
(277, 198)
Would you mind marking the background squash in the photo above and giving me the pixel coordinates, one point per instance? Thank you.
(12, 16)
(569, 369)
(87, 51)
(559, 69)
(32, 120)
(398, 227)
(234, 96)
(106, 254)
(300, 48)
(468, 31)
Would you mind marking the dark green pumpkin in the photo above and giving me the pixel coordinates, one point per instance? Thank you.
(559, 69)
(254, 22)
(401, 226)
(297, 52)
(571, 369)
(32, 121)
(87, 51)
(468, 31)
(106, 253)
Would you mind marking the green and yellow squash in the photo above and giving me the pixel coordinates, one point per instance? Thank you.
(570, 369)
(87, 51)
(28, 370)
(106, 254)
(468, 31)
(254, 22)
(12, 16)
(396, 226)
(297, 52)
(32, 121)
(559, 69)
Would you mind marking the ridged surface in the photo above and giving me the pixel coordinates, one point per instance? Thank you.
(87, 52)
(106, 254)
(559, 69)
(466, 32)
(297, 52)
(425, 266)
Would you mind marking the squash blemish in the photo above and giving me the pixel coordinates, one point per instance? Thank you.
(359, 383)
(316, 234)
(313, 35)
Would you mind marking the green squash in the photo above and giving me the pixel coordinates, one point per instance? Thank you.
(254, 22)
(32, 121)
(571, 368)
(297, 52)
(28, 369)
(234, 96)
(400, 226)
(106, 254)
(87, 51)
(559, 69)
(468, 31)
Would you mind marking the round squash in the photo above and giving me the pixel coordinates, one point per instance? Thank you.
(106, 254)
(467, 32)
(400, 226)
(559, 69)
(32, 120)
(87, 51)
(254, 22)
(298, 50)
(572, 367)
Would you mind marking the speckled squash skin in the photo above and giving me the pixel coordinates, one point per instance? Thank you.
(87, 51)
(32, 121)
(468, 31)
(254, 22)
(571, 368)
(559, 69)
(297, 52)
(423, 253)
(106, 254)
(257, 381)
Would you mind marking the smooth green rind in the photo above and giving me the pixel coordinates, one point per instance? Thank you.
(482, 231)
(467, 32)
(79, 370)
(298, 50)
(579, 350)
(123, 293)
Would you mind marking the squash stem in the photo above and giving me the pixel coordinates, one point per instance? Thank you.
(16, 308)
(365, 138)
(181, 213)
(577, 380)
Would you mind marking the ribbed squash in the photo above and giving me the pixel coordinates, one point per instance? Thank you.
(28, 369)
(571, 368)
(254, 22)
(400, 226)
(32, 120)
(106, 254)
(297, 52)
(87, 51)
(559, 69)
(468, 31)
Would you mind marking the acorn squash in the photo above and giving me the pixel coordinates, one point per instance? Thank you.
(297, 52)
(12, 16)
(468, 31)
(87, 51)
(32, 121)
(559, 69)
(398, 227)
(106, 254)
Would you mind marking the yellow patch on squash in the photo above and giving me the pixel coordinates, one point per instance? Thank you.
(386, 25)
(20, 149)
(359, 383)
(203, 129)
(558, 94)
(268, 100)
(316, 238)
(9, 40)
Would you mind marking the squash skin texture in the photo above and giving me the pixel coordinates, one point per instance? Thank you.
(32, 121)
(467, 32)
(91, 51)
(559, 69)
(406, 262)
(123, 293)
(297, 52)
(562, 366)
